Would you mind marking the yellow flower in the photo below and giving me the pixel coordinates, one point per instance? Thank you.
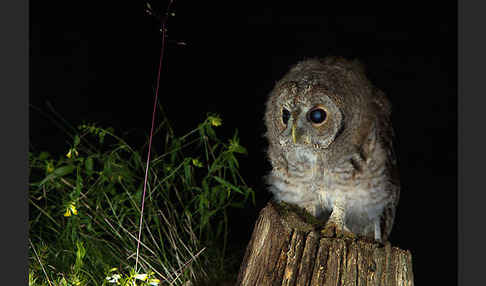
(142, 277)
(215, 121)
(71, 209)
(71, 152)
(197, 163)
(154, 281)
(50, 167)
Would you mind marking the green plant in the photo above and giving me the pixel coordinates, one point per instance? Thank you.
(85, 207)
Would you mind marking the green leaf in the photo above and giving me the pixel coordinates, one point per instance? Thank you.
(102, 136)
(202, 204)
(210, 132)
(64, 170)
(217, 165)
(59, 172)
(228, 184)
(206, 217)
(205, 186)
(76, 140)
(43, 156)
(80, 253)
(239, 149)
(187, 171)
(89, 166)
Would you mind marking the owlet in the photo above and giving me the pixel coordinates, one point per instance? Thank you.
(330, 146)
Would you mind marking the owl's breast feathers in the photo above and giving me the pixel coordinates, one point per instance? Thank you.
(303, 177)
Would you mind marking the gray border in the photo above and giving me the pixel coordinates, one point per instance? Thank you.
(14, 126)
(471, 110)
(460, 123)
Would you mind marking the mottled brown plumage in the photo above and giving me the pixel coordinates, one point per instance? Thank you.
(330, 146)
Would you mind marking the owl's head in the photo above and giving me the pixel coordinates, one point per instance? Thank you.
(318, 104)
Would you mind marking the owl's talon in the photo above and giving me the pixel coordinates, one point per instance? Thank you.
(349, 234)
(329, 230)
(332, 229)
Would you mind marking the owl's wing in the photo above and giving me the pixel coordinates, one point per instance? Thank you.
(387, 136)
(388, 217)
(386, 133)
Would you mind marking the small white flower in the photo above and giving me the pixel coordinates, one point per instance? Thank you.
(113, 278)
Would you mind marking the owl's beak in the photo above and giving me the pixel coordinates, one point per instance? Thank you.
(295, 134)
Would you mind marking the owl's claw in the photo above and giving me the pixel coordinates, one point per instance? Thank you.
(333, 229)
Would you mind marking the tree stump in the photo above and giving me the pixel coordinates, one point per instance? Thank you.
(287, 248)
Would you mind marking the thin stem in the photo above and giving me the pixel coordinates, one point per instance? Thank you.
(151, 134)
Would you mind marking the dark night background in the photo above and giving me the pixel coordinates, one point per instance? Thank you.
(97, 62)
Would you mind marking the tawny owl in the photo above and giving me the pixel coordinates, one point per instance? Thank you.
(330, 146)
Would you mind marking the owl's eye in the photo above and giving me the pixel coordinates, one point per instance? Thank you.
(285, 116)
(317, 115)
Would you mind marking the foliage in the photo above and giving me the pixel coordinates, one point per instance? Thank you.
(84, 208)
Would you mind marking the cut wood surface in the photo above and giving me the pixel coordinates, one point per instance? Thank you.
(287, 248)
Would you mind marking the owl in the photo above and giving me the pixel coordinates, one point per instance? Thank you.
(330, 147)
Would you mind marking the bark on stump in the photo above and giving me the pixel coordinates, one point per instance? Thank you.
(287, 248)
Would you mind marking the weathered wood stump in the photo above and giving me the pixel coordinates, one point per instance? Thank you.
(287, 248)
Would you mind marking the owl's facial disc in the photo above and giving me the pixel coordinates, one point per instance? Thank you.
(310, 124)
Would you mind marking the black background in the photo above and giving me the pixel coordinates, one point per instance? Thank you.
(97, 61)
